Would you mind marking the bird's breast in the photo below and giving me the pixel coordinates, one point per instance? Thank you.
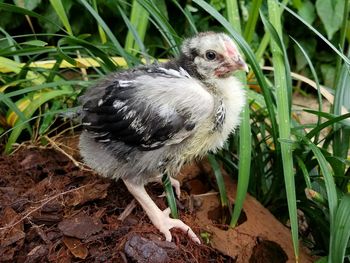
(214, 131)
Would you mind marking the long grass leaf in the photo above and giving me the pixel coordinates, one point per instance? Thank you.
(283, 94)
(341, 140)
(253, 18)
(137, 26)
(326, 124)
(102, 33)
(59, 8)
(244, 131)
(330, 187)
(219, 180)
(169, 193)
(341, 236)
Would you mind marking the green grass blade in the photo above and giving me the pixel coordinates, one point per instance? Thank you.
(137, 26)
(341, 140)
(243, 165)
(253, 18)
(244, 132)
(330, 188)
(343, 34)
(59, 8)
(303, 169)
(283, 94)
(169, 192)
(233, 15)
(219, 180)
(341, 231)
(102, 33)
(326, 124)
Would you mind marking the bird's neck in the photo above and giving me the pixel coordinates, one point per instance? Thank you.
(187, 64)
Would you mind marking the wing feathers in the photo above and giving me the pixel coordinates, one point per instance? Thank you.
(146, 111)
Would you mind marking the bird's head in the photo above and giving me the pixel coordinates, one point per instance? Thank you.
(212, 55)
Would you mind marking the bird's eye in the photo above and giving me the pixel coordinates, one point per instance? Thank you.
(210, 55)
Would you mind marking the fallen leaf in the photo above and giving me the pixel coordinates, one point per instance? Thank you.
(76, 247)
(81, 226)
(12, 234)
(87, 193)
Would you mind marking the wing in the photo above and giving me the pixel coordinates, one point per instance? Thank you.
(157, 108)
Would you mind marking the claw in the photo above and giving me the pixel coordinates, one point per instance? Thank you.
(165, 223)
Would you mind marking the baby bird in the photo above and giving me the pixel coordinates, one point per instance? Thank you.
(150, 120)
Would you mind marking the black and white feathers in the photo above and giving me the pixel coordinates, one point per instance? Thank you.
(123, 113)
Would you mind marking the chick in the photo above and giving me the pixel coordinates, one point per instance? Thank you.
(150, 120)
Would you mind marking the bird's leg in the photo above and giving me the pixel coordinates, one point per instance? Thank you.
(174, 183)
(159, 218)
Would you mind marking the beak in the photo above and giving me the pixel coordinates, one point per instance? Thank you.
(242, 65)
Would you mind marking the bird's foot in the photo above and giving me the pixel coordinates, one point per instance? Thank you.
(164, 223)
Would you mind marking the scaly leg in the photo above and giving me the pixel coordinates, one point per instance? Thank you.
(159, 218)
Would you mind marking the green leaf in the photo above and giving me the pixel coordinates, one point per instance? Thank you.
(137, 26)
(310, 48)
(307, 11)
(169, 193)
(283, 85)
(35, 43)
(341, 230)
(219, 180)
(328, 73)
(27, 4)
(330, 12)
(60, 10)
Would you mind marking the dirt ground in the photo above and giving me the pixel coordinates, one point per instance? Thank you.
(51, 210)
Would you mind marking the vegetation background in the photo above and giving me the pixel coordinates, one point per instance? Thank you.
(51, 51)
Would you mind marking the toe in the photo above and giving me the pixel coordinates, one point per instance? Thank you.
(167, 211)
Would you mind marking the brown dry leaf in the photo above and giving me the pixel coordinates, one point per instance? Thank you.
(75, 246)
(12, 234)
(88, 193)
(81, 226)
